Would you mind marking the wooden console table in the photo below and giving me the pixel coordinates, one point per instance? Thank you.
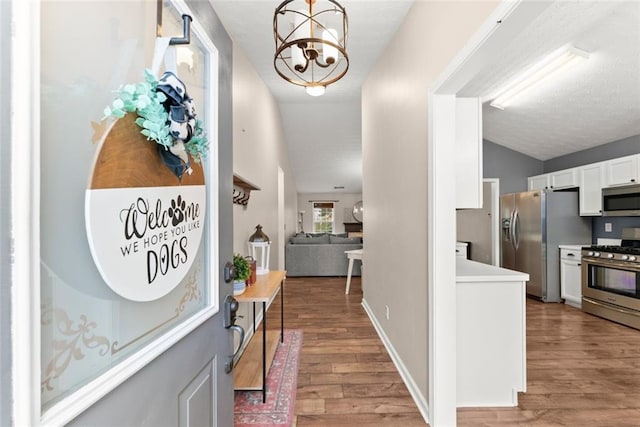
(248, 375)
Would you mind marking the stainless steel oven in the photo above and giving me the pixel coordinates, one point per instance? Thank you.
(611, 283)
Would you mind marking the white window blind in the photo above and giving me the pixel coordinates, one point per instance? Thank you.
(323, 217)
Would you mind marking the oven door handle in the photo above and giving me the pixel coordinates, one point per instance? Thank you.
(605, 263)
(611, 307)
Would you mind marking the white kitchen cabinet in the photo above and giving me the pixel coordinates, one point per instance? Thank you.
(622, 171)
(491, 335)
(539, 182)
(567, 178)
(571, 275)
(468, 153)
(592, 178)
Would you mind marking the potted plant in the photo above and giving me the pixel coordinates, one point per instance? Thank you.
(243, 271)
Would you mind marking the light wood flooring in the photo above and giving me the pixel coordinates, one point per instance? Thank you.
(582, 370)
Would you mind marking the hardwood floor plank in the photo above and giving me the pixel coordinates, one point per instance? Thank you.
(310, 406)
(361, 420)
(363, 367)
(370, 405)
(375, 390)
(320, 391)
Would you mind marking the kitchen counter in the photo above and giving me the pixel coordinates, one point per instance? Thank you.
(472, 271)
(574, 247)
(491, 363)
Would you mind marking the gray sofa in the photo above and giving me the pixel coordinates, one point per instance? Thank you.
(320, 255)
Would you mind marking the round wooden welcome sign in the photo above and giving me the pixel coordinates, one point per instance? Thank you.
(144, 225)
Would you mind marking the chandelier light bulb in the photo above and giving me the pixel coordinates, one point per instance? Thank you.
(330, 53)
(315, 90)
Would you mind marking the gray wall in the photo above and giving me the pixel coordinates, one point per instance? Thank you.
(5, 216)
(511, 167)
(612, 150)
(617, 224)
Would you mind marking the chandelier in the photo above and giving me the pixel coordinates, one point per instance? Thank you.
(311, 38)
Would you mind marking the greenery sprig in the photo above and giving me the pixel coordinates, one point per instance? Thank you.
(243, 268)
(148, 103)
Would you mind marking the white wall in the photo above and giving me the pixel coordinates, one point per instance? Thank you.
(343, 205)
(258, 150)
(394, 134)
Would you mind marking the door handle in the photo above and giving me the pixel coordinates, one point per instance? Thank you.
(512, 230)
(516, 233)
(229, 363)
(230, 309)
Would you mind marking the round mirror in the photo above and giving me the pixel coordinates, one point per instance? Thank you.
(357, 211)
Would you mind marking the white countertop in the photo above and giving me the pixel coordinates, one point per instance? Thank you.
(574, 247)
(472, 271)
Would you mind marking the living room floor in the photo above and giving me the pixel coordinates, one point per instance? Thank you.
(581, 370)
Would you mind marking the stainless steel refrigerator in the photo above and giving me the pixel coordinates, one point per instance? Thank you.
(533, 224)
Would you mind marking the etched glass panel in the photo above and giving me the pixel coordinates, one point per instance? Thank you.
(86, 327)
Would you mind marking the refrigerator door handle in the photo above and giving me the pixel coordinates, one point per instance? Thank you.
(511, 238)
(516, 231)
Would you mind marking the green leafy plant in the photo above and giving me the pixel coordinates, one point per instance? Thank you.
(243, 268)
(144, 100)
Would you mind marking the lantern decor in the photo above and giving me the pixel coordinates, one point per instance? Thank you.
(259, 247)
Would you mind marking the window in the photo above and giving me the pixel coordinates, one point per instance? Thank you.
(323, 217)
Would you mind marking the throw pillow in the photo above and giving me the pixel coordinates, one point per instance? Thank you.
(344, 240)
(315, 240)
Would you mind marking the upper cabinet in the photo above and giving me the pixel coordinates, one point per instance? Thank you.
(622, 171)
(592, 178)
(567, 178)
(539, 182)
(468, 128)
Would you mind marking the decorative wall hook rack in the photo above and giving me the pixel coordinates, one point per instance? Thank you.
(242, 190)
(186, 27)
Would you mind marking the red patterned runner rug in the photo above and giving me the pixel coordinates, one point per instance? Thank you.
(282, 380)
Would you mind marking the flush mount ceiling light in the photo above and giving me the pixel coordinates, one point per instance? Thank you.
(311, 38)
(550, 66)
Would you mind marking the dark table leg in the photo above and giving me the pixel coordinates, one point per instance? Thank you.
(282, 311)
(264, 352)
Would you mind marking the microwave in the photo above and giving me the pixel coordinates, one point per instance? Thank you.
(621, 201)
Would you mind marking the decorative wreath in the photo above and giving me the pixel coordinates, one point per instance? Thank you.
(166, 115)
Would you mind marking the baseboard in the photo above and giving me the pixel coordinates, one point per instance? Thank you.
(418, 398)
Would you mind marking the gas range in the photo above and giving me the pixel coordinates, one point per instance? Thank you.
(611, 279)
(629, 252)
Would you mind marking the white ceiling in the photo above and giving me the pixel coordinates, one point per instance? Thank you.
(590, 105)
(593, 105)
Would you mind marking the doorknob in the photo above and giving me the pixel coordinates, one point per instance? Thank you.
(229, 319)
(229, 272)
